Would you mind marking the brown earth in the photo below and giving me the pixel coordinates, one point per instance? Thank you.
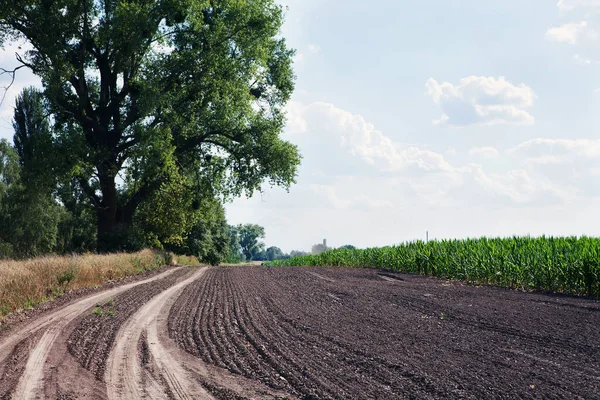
(359, 333)
(313, 333)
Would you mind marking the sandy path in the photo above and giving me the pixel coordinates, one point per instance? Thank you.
(30, 383)
(125, 377)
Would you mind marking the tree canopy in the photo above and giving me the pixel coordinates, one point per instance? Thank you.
(249, 239)
(158, 101)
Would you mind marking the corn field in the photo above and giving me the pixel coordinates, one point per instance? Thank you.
(564, 265)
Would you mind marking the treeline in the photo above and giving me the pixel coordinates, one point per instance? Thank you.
(246, 245)
(143, 143)
(44, 207)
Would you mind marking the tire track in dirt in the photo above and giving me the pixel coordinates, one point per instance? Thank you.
(146, 363)
(30, 382)
(124, 375)
(93, 336)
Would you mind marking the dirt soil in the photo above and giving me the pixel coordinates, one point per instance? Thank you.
(302, 333)
(320, 333)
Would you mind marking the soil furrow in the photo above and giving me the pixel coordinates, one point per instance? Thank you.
(247, 361)
(348, 333)
(202, 315)
(305, 332)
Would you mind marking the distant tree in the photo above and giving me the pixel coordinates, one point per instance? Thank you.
(10, 171)
(33, 141)
(259, 254)
(348, 246)
(298, 253)
(234, 250)
(77, 226)
(274, 253)
(30, 222)
(10, 174)
(250, 235)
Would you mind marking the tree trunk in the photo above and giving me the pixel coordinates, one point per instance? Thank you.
(107, 213)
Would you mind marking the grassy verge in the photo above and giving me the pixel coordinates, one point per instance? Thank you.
(564, 265)
(187, 260)
(25, 284)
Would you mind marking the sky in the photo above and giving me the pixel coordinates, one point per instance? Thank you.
(464, 119)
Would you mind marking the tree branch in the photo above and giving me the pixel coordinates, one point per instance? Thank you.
(12, 74)
(87, 189)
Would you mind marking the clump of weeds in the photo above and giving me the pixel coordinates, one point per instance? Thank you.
(105, 309)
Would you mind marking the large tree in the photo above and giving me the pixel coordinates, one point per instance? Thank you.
(161, 93)
(250, 235)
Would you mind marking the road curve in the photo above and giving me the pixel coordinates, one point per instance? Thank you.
(126, 379)
(30, 383)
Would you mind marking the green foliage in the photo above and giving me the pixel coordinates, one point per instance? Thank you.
(29, 222)
(249, 236)
(10, 170)
(565, 265)
(164, 94)
(29, 215)
(235, 255)
(67, 276)
(188, 260)
(106, 309)
(274, 253)
(77, 225)
(207, 237)
(33, 141)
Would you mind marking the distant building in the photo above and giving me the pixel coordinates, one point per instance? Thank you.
(319, 248)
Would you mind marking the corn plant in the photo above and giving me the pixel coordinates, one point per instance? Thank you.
(558, 264)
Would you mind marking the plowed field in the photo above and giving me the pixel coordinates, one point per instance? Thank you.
(304, 332)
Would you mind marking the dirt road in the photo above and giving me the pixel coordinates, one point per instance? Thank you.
(308, 333)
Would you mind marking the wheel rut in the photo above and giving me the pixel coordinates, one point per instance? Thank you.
(232, 333)
(49, 328)
(125, 375)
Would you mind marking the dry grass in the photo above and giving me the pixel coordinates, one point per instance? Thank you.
(187, 260)
(24, 284)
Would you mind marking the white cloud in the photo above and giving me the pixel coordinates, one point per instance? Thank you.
(569, 33)
(346, 148)
(361, 201)
(561, 148)
(346, 138)
(568, 163)
(482, 101)
(581, 60)
(355, 179)
(484, 152)
(569, 5)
